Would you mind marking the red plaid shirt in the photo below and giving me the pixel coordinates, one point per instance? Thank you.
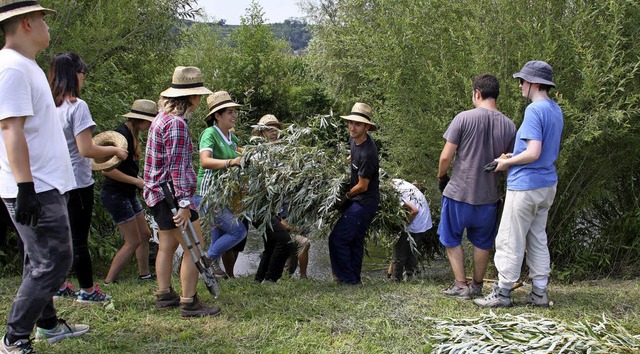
(168, 157)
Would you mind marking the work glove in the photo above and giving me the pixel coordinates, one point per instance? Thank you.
(490, 166)
(442, 183)
(27, 205)
(343, 203)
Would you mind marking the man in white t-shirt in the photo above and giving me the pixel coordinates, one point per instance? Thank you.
(35, 175)
(419, 223)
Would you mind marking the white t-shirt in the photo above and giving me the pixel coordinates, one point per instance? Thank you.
(25, 92)
(410, 193)
(74, 118)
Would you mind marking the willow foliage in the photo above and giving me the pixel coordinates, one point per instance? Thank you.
(304, 172)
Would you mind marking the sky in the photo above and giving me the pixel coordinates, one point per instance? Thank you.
(275, 11)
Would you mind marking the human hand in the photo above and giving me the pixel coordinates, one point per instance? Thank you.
(181, 218)
(121, 153)
(442, 182)
(139, 183)
(27, 205)
(235, 162)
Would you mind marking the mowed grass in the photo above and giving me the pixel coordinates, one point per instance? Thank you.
(309, 316)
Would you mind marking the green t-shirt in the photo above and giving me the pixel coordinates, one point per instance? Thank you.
(212, 140)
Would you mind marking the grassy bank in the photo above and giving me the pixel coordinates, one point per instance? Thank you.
(311, 316)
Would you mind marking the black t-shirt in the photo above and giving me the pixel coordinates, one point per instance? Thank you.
(364, 162)
(129, 167)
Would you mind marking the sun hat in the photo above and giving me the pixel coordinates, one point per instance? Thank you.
(536, 72)
(108, 138)
(143, 109)
(361, 112)
(219, 100)
(186, 81)
(12, 8)
(268, 121)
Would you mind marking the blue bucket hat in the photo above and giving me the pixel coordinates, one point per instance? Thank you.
(536, 72)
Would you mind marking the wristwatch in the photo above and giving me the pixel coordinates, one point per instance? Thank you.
(183, 204)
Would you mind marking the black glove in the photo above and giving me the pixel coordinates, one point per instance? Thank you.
(343, 203)
(27, 205)
(490, 166)
(442, 183)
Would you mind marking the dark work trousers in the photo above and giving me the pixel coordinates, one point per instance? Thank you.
(47, 260)
(277, 248)
(346, 242)
(403, 256)
(80, 207)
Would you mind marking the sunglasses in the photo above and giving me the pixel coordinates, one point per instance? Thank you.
(522, 81)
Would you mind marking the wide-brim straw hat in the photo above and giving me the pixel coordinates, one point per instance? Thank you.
(268, 121)
(108, 138)
(220, 100)
(361, 112)
(186, 81)
(536, 72)
(12, 8)
(143, 109)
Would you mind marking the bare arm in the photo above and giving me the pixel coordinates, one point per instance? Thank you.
(413, 211)
(119, 176)
(17, 148)
(88, 149)
(446, 157)
(209, 162)
(529, 155)
(361, 187)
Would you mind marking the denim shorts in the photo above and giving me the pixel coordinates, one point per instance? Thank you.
(122, 208)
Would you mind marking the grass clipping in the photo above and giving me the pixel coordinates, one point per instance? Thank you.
(526, 333)
(305, 171)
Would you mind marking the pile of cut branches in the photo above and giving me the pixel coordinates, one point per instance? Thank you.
(527, 333)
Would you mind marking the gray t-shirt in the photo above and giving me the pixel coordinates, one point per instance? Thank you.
(74, 118)
(481, 135)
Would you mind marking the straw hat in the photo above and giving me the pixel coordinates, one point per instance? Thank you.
(143, 109)
(108, 138)
(219, 100)
(268, 121)
(186, 81)
(12, 8)
(361, 112)
(536, 72)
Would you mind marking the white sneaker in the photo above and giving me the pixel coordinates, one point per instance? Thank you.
(61, 331)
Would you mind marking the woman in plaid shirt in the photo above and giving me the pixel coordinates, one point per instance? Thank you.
(168, 159)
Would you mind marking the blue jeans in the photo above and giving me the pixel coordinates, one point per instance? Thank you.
(346, 242)
(227, 230)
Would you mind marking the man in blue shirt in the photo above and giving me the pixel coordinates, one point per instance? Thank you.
(531, 188)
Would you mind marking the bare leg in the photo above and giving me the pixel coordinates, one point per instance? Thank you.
(164, 260)
(303, 261)
(188, 270)
(142, 252)
(480, 261)
(129, 231)
(456, 259)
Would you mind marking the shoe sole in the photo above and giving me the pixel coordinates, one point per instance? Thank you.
(187, 316)
(167, 307)
(93, 301)
(63, 336)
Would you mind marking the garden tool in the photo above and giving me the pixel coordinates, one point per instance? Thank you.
(193, 244)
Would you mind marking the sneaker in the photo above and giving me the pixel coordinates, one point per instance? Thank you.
(217, 271)
(21, 346)
(196, 309)
(475, 290)
(61, 331)
(167, 301)
(498, 297)
(147, 277)
(538, 297)
(457, 291)
(96, 295)
(68, 290)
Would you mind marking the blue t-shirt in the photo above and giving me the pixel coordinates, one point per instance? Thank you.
(543, 121)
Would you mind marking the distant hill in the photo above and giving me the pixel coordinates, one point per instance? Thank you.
(292, 30)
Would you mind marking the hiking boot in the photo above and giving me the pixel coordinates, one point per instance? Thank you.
(538, 297)
(499, 297)
(214, 264)
(68, 290)
(168, 300)
(96, 295)
(21, 346)
(458, 291)
(61, 331)
(192, 307)
(475, 290)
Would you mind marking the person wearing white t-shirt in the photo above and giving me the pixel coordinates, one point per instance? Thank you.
(419, 223)
(35, 176)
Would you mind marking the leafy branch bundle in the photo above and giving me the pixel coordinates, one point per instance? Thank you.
(303, 172)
